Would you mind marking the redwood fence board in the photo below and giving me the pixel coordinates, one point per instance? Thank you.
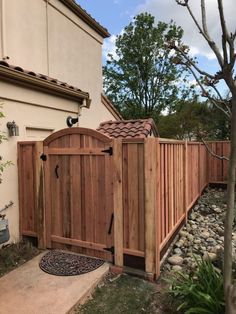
(148, 184)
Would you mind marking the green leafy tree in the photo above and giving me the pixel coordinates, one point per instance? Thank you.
(194, 120)
(142, 78)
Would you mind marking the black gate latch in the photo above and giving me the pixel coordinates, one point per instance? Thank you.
(108, 151)
(111, 223)
(110, 249)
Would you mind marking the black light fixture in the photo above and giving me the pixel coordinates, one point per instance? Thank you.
(71, 121)
(13, 128)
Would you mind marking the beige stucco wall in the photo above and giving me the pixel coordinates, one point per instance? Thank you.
(46, 37)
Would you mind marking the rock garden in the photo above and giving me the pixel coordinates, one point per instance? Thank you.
(203, 236)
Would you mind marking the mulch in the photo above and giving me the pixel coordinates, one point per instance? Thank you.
(60, 263)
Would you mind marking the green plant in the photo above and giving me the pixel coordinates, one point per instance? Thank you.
(200, 292)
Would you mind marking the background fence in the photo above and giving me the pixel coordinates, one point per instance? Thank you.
(218, 168)
(156, 182)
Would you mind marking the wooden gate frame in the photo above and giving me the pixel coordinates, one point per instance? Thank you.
(41, 185)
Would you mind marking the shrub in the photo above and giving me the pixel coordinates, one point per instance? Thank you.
(200, 292)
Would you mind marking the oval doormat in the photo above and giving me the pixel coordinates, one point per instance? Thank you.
(60, 263)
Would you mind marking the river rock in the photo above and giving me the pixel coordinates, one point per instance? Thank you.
(177, 268)
(209, 256)
(178, 251)
(175, 260)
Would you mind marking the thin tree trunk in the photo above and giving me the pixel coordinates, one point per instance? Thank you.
(229, 286)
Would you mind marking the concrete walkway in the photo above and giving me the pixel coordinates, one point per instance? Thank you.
(29, 290)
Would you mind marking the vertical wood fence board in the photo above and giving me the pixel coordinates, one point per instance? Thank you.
(162, 158)
(125, 194)
(150, 203)
(28, 185)
(186, 179)
(141, 198)
(118, 203)
(39, 197)
(158, 209)
(133, 208)
(48, 208)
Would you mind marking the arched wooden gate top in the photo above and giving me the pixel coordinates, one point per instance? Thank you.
(77, 130)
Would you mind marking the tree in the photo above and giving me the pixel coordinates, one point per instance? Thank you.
(194, 120)
(226, 56)
(141, 79)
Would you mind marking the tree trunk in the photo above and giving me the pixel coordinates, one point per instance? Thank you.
(229, 286)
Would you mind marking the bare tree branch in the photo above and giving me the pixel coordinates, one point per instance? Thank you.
(213, 153)
(222, 21)
(209, 40)
(193, 63)
(204, 23)
(206, 93)
(225, 34)
(221, 100)
(183, 3)
(217, 92)
(233, 36)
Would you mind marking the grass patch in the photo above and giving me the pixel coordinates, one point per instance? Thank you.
(15, 255)
(124, 294)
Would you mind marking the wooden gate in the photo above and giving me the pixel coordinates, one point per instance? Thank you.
(78, 172)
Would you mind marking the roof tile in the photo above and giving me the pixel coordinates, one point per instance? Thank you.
(140, 128)
(38, 75)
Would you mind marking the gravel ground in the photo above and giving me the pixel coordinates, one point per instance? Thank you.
(203, 235)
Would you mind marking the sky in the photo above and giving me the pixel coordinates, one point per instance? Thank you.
(116, 14)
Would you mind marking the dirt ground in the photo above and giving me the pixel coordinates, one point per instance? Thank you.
(15, 255)
(127, 295)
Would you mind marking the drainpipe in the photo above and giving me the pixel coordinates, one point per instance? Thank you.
(3, 30)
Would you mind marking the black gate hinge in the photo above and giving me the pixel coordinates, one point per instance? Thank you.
(108, 151)
(43, 157)
(110, 249)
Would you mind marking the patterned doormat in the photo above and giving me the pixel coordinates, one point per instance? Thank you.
(60, 263)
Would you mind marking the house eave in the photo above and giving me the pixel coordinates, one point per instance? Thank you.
(83, 15)
(32, 82)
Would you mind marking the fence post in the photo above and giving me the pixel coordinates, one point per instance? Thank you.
(186, 179)
(150, 175)
(39, 195)
(158, 210)
(118, 203)
(199, 168)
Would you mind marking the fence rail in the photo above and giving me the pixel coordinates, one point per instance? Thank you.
(156, 182)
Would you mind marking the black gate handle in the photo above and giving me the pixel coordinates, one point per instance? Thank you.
(111, 223)
(56, 171)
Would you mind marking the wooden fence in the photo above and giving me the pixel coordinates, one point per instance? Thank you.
(218, 168)
(155, 184)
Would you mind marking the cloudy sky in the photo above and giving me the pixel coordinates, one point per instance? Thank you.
(116, 14)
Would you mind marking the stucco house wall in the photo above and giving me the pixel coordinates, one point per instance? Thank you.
(47, 37)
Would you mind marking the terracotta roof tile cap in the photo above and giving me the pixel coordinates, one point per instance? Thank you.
(139, 128)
